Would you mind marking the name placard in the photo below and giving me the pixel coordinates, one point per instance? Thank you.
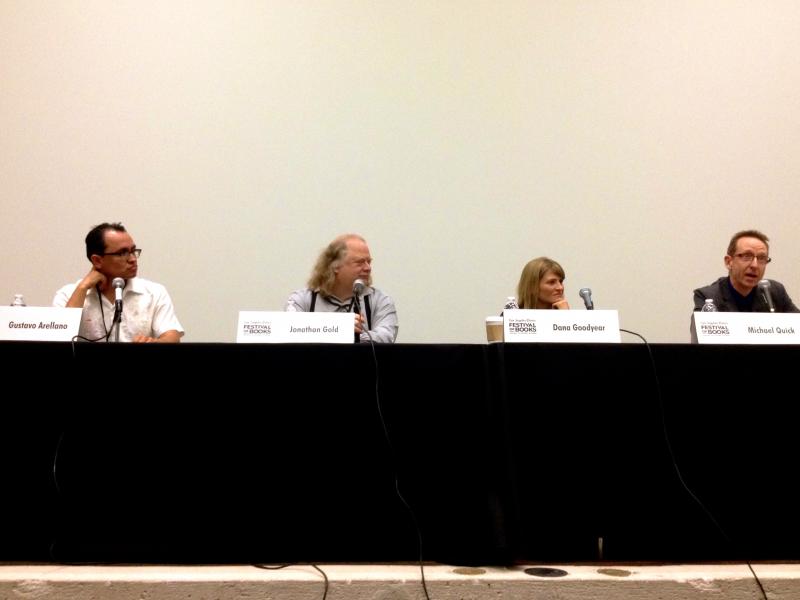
(39, 323)
(277, 327)
(746, 328)
(524, 325)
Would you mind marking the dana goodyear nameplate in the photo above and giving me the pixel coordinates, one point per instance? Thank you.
(39, 323)
(278, 327)
(569, 326)
(746, 328)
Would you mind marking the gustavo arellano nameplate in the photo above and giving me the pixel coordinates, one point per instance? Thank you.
(524, 325)
(277, 327)
(39, 323)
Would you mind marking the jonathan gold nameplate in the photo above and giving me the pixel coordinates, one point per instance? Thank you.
(277, 327)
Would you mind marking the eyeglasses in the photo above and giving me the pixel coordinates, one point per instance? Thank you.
(749, 256)
(125, 253)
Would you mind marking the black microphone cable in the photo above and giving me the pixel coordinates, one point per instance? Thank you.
(395, 475)
(674, 461)
(283, 566)
(51, 550)
(115, 321)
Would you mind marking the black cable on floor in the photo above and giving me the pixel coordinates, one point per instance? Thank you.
(674, 461)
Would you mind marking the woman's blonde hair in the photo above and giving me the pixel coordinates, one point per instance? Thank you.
(531, 277)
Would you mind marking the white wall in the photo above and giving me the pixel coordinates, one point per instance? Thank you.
(628, 140)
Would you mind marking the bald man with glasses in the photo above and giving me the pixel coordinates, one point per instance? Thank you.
(746, 261)
(147, 312)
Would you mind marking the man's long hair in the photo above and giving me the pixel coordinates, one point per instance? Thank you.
(324, 274)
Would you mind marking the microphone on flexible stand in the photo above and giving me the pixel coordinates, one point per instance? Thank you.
(586, 294)
(763, 285)
(118, 283)
(358, 289)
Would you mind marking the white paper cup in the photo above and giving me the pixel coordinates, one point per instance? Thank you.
(494, 329)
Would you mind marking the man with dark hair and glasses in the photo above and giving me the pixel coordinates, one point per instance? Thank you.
(147, 311)
(746, 261)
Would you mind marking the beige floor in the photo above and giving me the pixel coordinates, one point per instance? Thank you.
(390, 582)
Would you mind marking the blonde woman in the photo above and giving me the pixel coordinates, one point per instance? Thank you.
(541, 285)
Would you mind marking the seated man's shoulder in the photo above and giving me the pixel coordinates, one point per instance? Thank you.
(62, 295)
(142, 285)
(377, 293)
(777, 284)
(68, 287)
(299, 300)
(711, 286)
(301, 294)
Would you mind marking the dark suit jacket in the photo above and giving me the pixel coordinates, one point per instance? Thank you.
(721, 294)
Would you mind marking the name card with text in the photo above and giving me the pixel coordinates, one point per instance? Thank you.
(524, 325)
(39, 323)
(746, 328)
(277, 327)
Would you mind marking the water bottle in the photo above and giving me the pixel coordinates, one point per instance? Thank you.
(511, 302)
(19, 300)
(709, 306)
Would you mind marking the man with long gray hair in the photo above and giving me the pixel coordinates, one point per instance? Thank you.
(342, 273)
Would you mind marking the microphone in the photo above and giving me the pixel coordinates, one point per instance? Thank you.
(763, 285)
(586, 294)
(358, 289)
(118, 283)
